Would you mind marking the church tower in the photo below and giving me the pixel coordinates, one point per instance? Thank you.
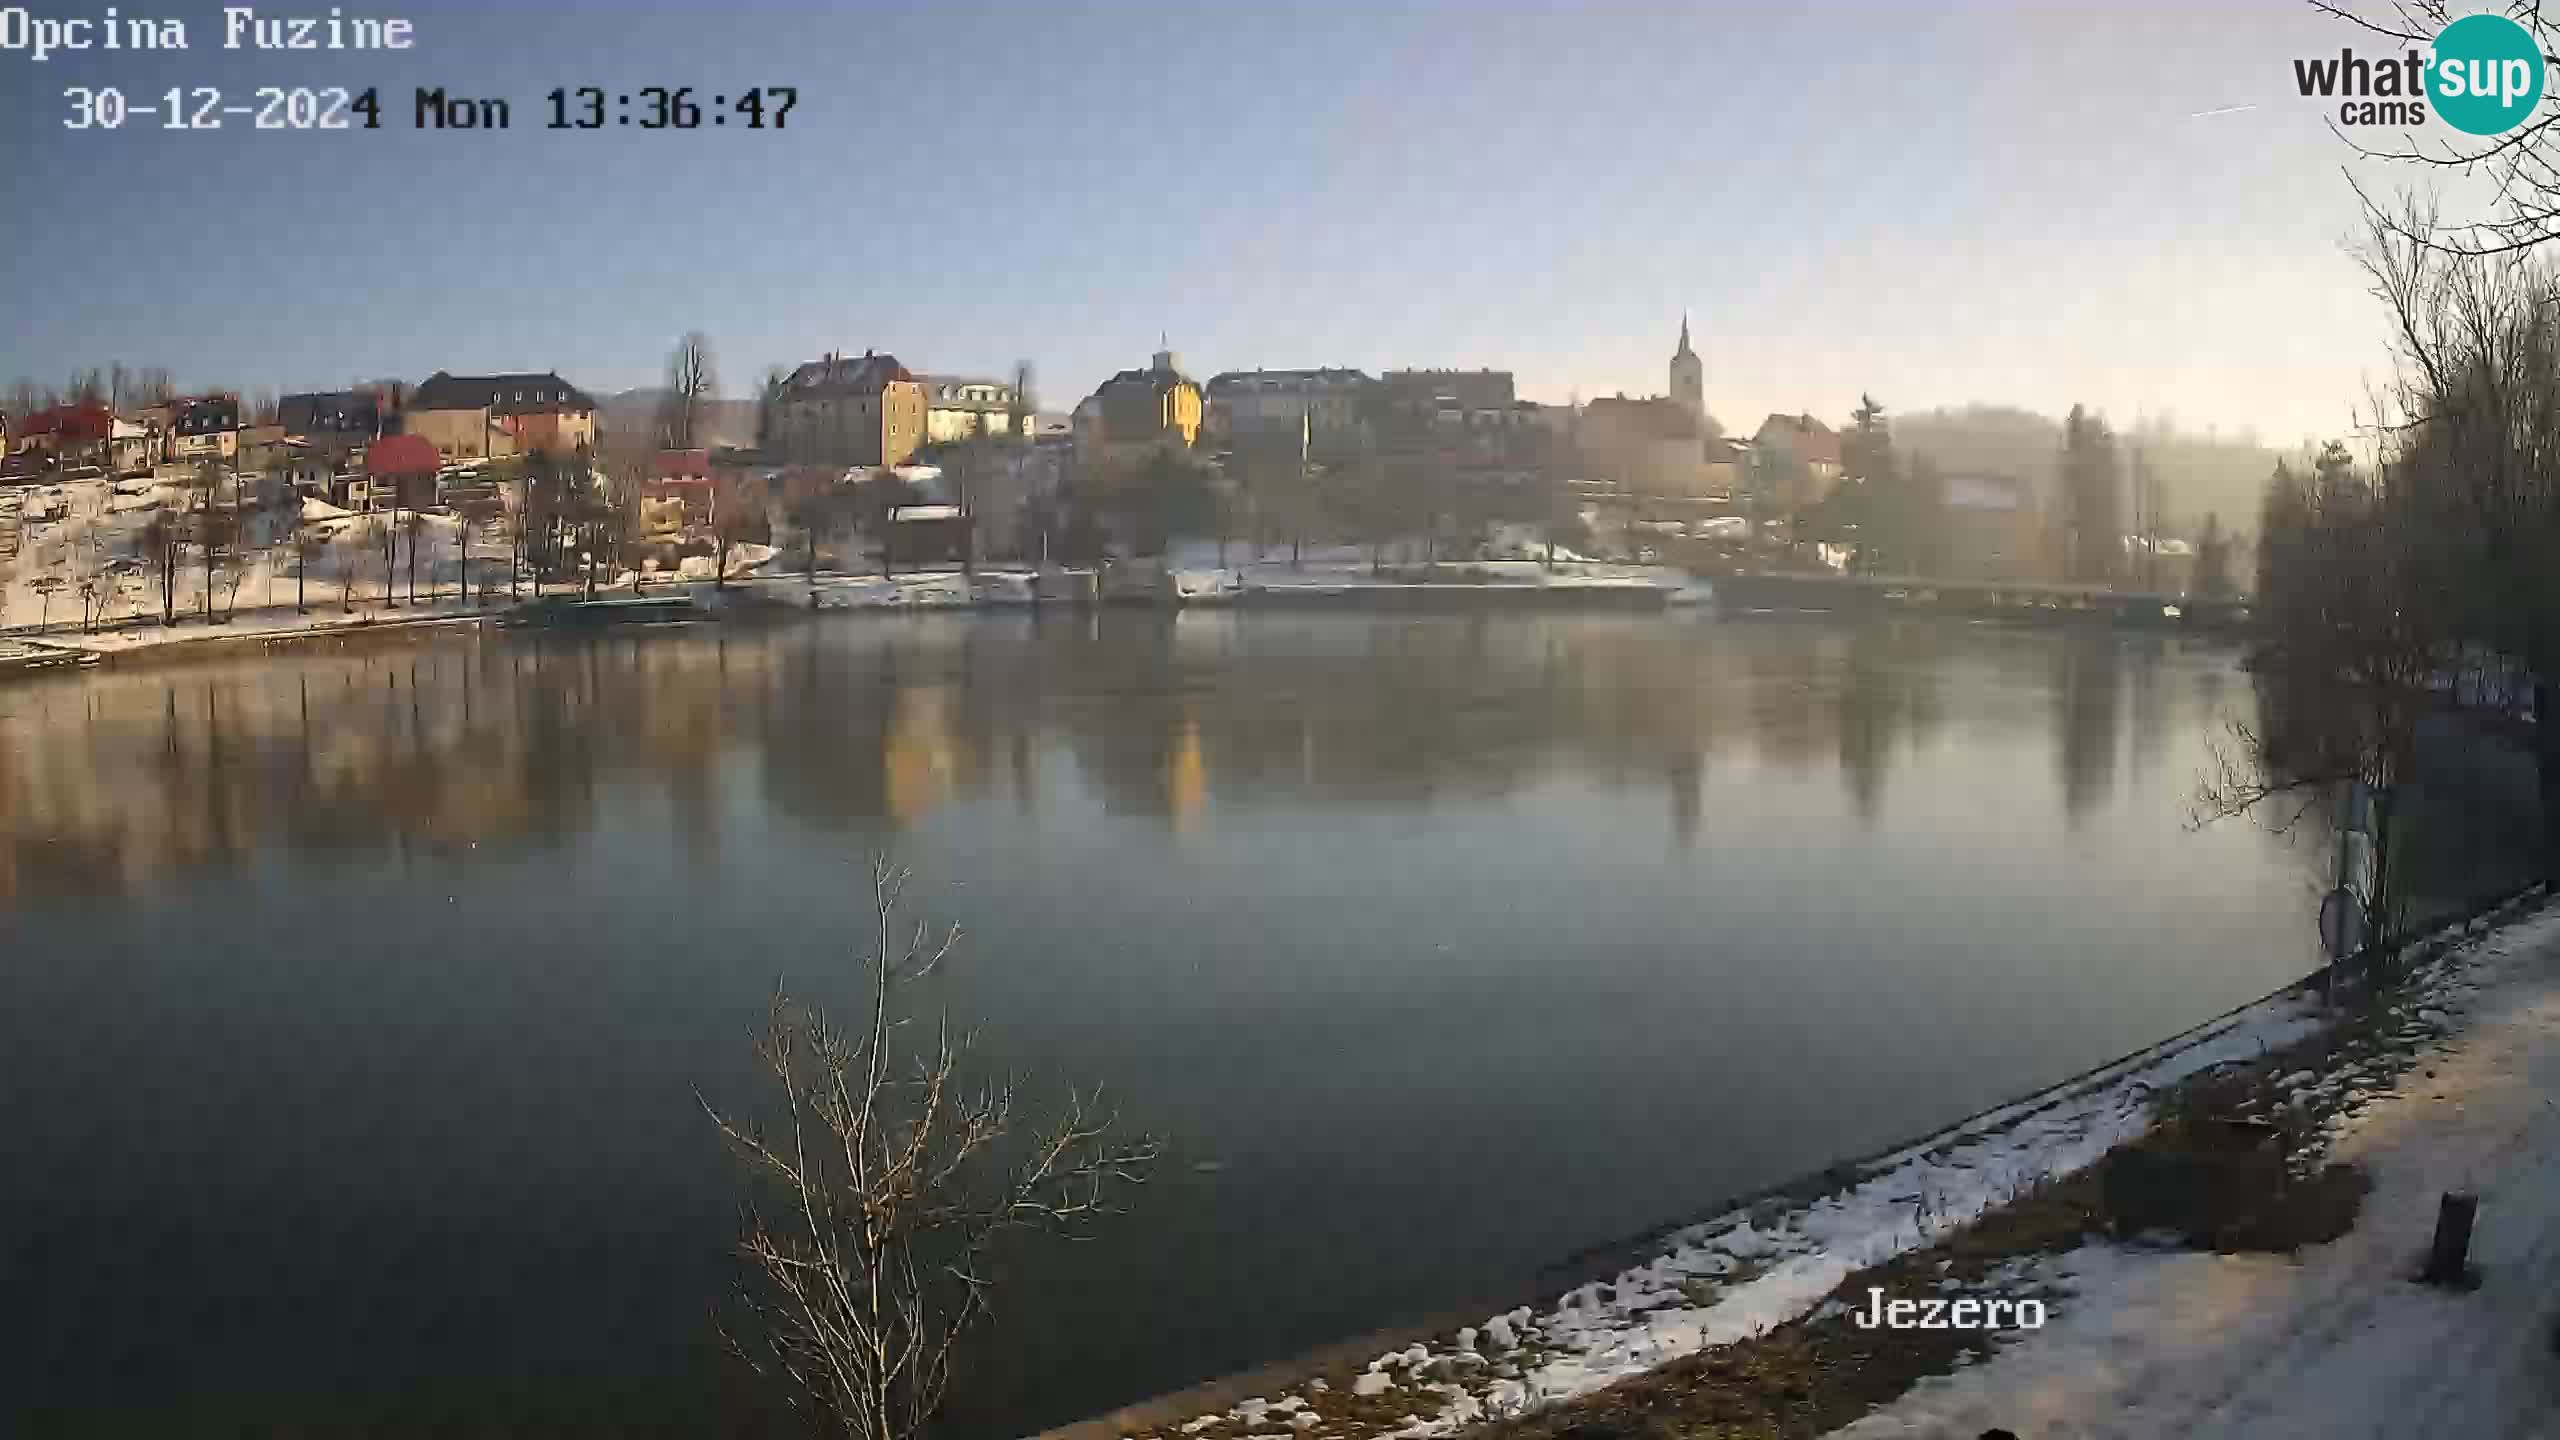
(1688, 377)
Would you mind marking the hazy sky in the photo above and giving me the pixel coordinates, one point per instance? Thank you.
(1939, 204)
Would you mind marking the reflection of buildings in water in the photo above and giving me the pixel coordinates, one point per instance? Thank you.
(1023, 768)
(2148, 678)
(1186, 776)
(1847, 697)
(1685, 778)
(336, 756)
(916, 758)
(2087, 693)
(109, 781)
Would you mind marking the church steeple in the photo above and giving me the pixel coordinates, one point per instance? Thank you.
(1688, 375)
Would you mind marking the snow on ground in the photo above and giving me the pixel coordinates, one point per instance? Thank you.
(2336, 1341)
(1194, 571)
(92, 533)
(273, 621)
(917, 590)
(1782, 1264)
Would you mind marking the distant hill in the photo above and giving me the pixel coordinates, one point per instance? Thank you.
(635, 412)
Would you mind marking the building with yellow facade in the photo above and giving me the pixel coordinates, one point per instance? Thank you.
(1157, 405)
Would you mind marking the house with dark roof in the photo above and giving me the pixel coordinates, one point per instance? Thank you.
(1331, 406)
(1139, 408)
(204, 427)
(339, 417)
(849, 410)
(469, 417)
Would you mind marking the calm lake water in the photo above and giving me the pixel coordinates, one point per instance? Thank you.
(352, 1006)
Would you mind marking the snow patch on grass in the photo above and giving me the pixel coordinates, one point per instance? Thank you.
(1747, 1271)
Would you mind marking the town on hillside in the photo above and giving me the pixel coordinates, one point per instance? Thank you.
(116, 489)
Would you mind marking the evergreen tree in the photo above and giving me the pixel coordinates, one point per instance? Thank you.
(2093, 508)
(2213, 561)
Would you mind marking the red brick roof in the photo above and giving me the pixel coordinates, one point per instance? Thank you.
(402, 455)
(73, 424)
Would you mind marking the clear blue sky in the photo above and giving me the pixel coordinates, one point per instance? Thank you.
(1940, 204)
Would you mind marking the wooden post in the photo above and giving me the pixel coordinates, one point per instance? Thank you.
(2447, 1257)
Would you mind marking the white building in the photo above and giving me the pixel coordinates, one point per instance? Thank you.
(958, 407)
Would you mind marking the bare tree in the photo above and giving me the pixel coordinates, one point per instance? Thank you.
(307, 546)
(390, 553)
(98, 592)
(206, 521)
(413, 528)
(887, 1187)
(769, 398)
(693, 382)
(2478, 403)
(49, 582)
(351, 551)
(735, 520)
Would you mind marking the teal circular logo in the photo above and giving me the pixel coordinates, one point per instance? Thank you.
(2485, 75)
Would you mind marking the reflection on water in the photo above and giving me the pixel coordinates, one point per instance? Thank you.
(109, 785)
(358, 1000)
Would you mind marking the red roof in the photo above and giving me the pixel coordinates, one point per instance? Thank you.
(402, 455)
(76, 424)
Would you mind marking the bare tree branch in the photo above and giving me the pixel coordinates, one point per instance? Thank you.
(894, 1192)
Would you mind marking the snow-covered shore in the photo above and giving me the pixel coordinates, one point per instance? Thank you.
(1744, 1273)
(2335, 1341)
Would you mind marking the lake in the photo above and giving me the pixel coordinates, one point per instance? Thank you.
(353, 1005)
